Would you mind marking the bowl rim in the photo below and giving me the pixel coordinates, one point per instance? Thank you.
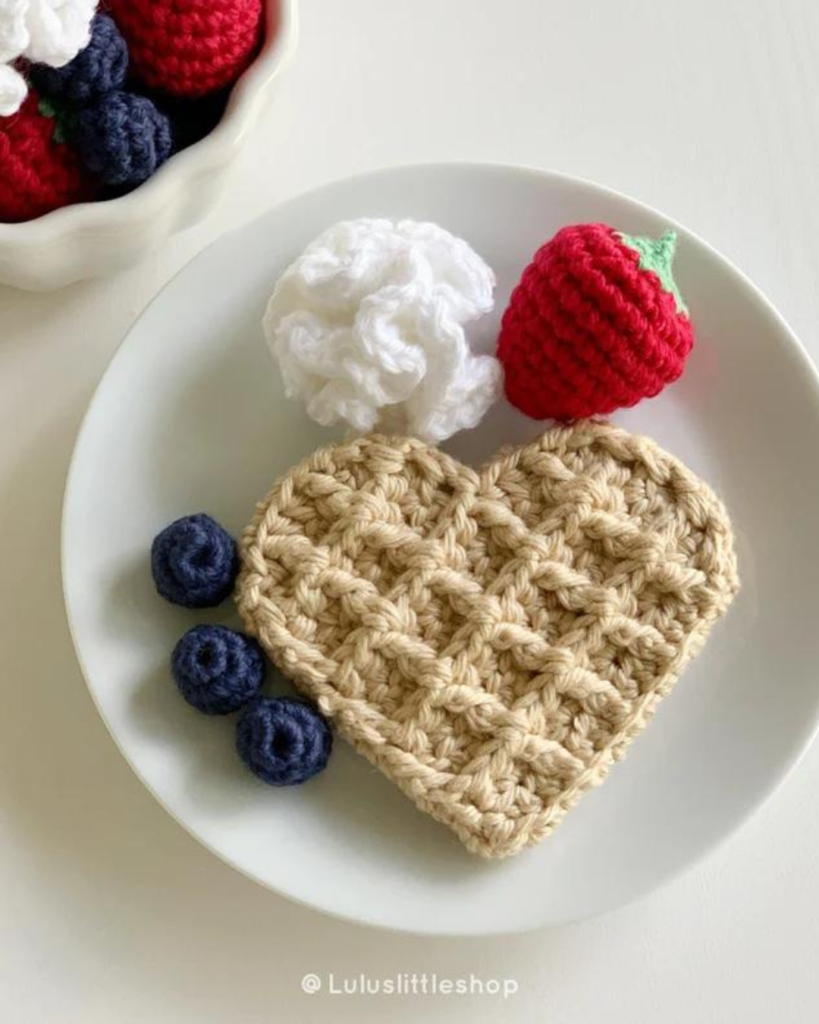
(112, 216)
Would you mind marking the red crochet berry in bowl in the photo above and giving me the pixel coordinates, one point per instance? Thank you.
(189, 47)
(595, 324)
(38, 171)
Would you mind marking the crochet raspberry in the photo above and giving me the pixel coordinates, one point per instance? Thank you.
(189, 47)
(39, 171)
(595, 324)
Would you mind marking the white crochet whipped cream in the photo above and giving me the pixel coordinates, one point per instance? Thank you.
(42, 31)
(367, 328)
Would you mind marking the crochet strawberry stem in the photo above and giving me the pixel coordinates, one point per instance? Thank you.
(657, 255)
(61, 117)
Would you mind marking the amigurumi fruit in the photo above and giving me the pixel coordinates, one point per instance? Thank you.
(284, 741)
(595, 324)
(123, 138)
(217, 669)
(189, 47)
(194, 562)
(39, 171)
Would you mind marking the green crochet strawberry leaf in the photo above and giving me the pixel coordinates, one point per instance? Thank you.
(60, 116)
(657, 254)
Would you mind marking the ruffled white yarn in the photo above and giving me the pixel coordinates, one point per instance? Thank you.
(366, 326)
(58, 30)
(13, 29)
(43, 31)
(13, 90)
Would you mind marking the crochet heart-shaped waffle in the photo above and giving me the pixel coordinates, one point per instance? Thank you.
(491, 640)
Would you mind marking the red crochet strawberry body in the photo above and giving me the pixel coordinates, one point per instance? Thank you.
(37, 173)
(189, 47)
(595, 324)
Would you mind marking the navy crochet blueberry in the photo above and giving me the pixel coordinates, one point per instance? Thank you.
(101, 67)
(122, 138)
(217, 669)
(284, 741)
(194, 562)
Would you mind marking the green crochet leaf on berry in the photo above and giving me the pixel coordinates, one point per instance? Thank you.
(657, 255)
(60, 115)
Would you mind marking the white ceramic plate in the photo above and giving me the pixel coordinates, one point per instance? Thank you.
(190, 416)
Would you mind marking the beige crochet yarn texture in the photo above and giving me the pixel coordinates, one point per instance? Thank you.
(491, 640)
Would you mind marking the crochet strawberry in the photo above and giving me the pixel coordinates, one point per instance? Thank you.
(595, 324)
(38, 171)
(189, 47)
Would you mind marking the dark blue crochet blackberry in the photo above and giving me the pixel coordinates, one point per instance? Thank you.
(101, 67)
(284, 741)
(194, 562)
(217, 669)
(122, 138)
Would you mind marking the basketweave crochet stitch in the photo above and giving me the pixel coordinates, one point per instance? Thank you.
(492, 640)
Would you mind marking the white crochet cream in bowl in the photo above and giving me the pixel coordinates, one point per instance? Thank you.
(92, 239)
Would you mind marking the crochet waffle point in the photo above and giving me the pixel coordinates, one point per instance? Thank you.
(491, 640)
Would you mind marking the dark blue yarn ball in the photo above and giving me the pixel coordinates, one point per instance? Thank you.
(99, 68)
(122, 138)
(194, 562)
(284, 741)
(217, 669)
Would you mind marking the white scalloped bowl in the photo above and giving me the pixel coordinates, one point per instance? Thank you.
(91, 239)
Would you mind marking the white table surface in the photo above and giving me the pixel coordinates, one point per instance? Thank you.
(108, 910)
